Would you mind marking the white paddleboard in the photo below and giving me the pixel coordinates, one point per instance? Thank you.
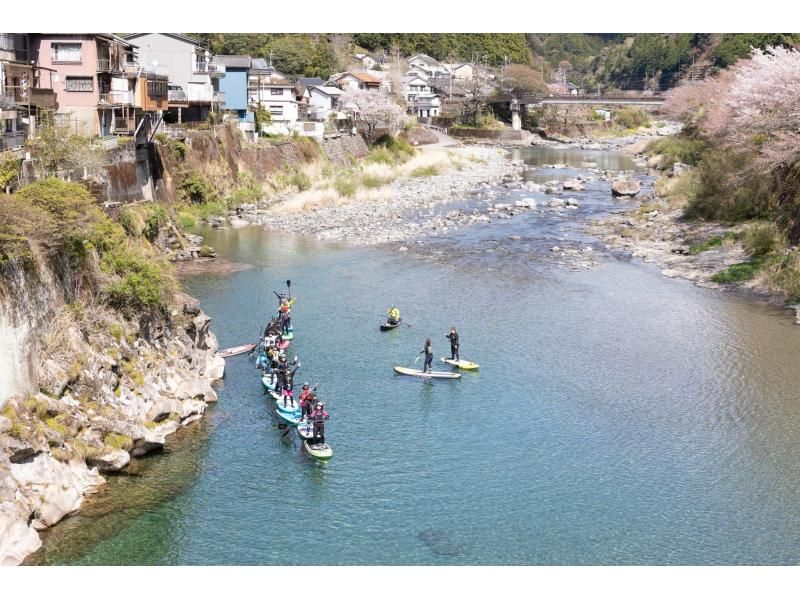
(420, 374)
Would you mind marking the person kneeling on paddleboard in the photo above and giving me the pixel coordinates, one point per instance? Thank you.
(318, 417)
(428, 356)
(453, 336)
(394, 315)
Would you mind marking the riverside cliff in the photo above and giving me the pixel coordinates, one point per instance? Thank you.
(102, 358)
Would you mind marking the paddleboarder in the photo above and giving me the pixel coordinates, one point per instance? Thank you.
(394, 315)
(318, 417)
(453, 336)
(428, 356)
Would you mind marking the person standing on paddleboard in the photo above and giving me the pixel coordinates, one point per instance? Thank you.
(318, 417)
(394, 315)
(453, 336)
(428, 356)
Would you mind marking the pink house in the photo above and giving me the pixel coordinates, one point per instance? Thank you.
(94, 81)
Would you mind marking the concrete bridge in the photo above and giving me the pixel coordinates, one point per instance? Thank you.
(519, 103)
(534, 100)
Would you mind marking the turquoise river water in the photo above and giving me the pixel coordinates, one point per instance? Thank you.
(618, 417)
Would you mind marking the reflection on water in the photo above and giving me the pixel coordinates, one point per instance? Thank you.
(619, 417)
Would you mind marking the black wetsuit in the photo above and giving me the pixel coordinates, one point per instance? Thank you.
(319, 426)
(453, 336)
(428, 350)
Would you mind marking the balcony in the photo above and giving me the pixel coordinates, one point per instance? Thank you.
(116, 98)
(12, 140)
(177, 96)
(103, 65)
(42, 98)
(205, 68)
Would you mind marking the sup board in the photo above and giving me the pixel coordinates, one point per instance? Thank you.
(420, 374)
(238, 350)
(461, 363)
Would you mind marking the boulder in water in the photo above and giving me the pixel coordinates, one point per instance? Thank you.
(625, 187)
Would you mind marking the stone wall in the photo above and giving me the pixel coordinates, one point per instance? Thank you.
(343, 150)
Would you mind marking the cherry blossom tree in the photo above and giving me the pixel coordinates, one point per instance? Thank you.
(375, 109)
(764, 103)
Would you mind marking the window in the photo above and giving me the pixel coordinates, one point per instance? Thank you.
(66, 53)
(80, 84)
(156, 89)
(276, 110)
(276, 92)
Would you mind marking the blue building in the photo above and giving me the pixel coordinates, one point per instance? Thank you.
(234, 84)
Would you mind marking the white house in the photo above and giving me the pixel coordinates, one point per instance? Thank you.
(461, 72)
(322, 101)
(275, 93)
(355, 80)
(428, 65)
(420, 97)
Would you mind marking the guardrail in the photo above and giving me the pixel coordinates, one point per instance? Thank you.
(176, 95)
(209, 68)
(116, 98)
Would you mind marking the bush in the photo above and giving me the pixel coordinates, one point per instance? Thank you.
(423, 171)
(371, 181)
(116, 331)
(144, 282)
(144, 220)
(345, 186)
(380, 155)
(9, 169)
(725, 193)
(300, 179)
(762, 238)
(195, 188)
(677, 149)
(631, 118)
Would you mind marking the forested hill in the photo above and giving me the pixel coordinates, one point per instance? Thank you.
(607, 60)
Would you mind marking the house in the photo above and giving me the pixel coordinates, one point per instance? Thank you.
(422, 101)
(426, 65)
(370, 61)
(603, 113)
(268, 89)
(194, 79)
(461, 72)
(234, 84)
(322, 101)
(99, 86)
(355, 80)
(26, 91)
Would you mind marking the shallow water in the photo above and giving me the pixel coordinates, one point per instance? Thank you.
(619, 417)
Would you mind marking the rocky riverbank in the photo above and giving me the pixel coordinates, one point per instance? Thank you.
(109, 391)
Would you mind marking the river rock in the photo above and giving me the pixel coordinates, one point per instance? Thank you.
(525, 203)
(150, 441)
(191, 407)
(237, 222)
(5, 424)
(570, 201)
(54, 489)
(211, 396)
(215, 368)
(556, 203)
(53, 379)
(114, 461)
(679, 168)
(161, 408)
(573, 185)
(625, 187)
(17, 539)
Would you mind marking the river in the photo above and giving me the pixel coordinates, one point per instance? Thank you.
(618, 417)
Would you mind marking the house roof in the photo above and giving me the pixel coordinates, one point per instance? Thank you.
(409, 78)
(233, 60)
(361, 77)
(315, 81)
(424, 58)
(331, 91)
(177, 36)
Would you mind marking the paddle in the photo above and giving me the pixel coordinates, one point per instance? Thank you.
(289, 288)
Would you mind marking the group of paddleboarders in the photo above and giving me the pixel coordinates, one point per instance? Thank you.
(272, 361)
(427, 349)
